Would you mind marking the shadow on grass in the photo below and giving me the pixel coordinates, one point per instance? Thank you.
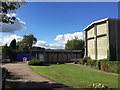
(48, 64)
(17, 82)
(33, 84)
(41, 65)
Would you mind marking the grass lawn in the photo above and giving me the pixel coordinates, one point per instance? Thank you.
(7, 84)
(76, 76)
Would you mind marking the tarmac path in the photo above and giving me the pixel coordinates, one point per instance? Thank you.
(21, 76)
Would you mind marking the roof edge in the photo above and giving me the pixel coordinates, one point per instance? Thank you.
(95, 22)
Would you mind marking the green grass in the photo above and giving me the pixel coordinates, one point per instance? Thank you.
(7, 84)
(76, 76)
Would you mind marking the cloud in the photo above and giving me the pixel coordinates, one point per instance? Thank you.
(0, 41)
(11, 28)
(61, 39)
(11, 14)
(64, 37)
(7, 39)
(56, 46)
(18, 25)
(41, 43)
(49, 46)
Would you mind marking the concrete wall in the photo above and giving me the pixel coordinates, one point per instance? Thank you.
(107, 35)
(90, 33)
(102, 40)
(102, 47)
(101, 29)
(91, 49)
(96, 42)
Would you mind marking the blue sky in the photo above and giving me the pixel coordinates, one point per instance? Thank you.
(51, 21)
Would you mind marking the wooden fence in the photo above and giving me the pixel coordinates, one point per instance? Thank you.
(57, 56)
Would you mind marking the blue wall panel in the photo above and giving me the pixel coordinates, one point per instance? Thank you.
(21, 56)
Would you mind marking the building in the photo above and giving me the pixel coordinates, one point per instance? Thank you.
(56, 55)
(102, 39)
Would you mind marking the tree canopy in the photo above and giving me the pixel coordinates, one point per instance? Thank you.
(5, 51)
(9, 51)
(26, 44)
(75, 44)
(8, 6)
(23, 46)
(13, 44)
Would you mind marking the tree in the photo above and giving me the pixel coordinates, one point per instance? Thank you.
(5, 51)
(26, 44)
(75, 44)
(10, 52)
(12, 48)
(13, 44)
(7, 6)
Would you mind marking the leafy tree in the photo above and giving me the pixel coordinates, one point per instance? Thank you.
(13, 44)
(12, 48)
(26, 44)
(5, 51)
(9, 52)
(7, 6)
(75, 44)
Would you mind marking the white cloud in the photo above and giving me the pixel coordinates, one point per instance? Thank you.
(18, 25)
(41, 43)
(61, 39)
(56, 46)
(0, 41)
(64, 37)
(49, 46)
(11, 28)
(11, 14)
(7, 39)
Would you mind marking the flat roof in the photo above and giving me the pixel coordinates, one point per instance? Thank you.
(99, 21)
(56, 50)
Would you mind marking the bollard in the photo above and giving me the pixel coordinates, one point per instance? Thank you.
(99, 65)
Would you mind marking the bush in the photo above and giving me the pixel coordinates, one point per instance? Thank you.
(110, 66)
(103, 64)
(85, 59)
(92, 63)
(36, 62)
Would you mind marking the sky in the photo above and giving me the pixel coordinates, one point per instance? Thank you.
(53, 23)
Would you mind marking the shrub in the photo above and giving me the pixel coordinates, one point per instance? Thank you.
(110, 66)
(36, 62)
(92, 63)
(75, 62)
(85, 59)
(103, 64)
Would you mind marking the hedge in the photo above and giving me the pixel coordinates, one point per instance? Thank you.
(36, 62)
(104, 64)
(110, 66)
